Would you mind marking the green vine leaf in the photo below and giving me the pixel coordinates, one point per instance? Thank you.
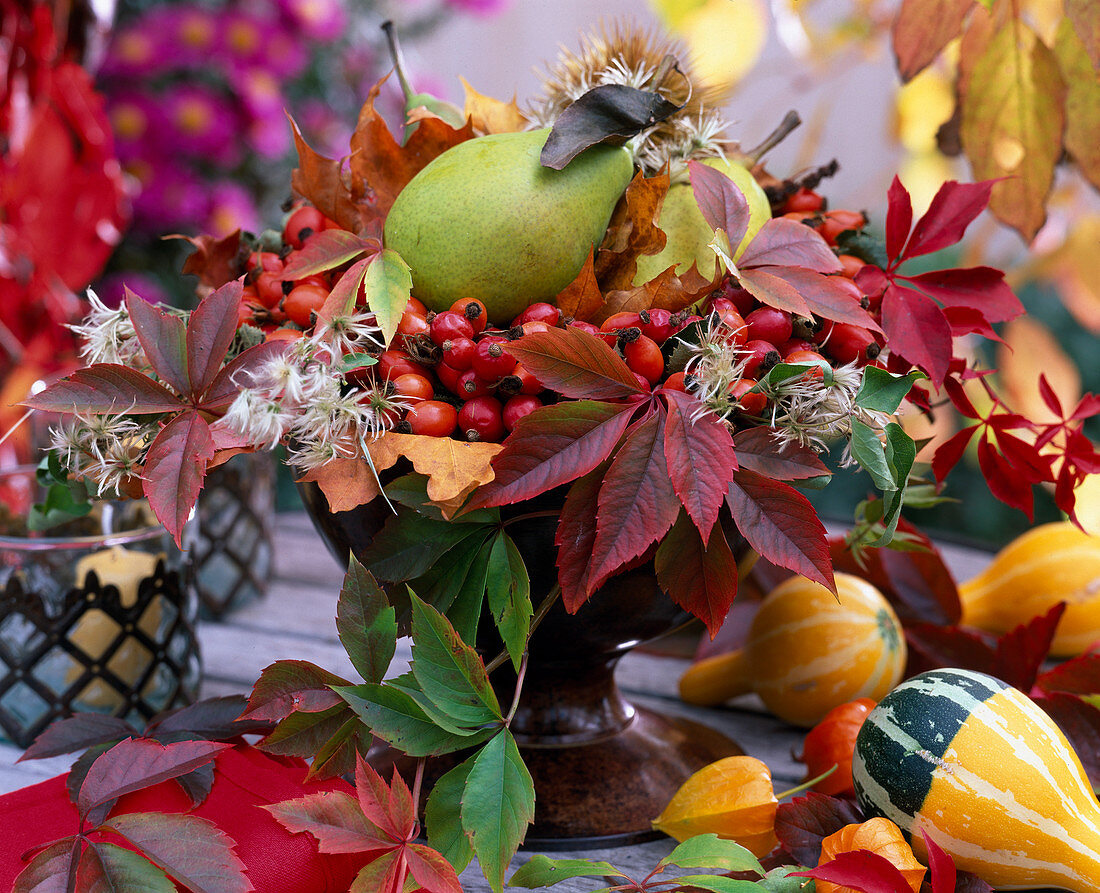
(509, 591)
(365, 623)
(497, 806)
(542, 871)
(442, 815)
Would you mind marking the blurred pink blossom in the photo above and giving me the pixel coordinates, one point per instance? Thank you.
(481, 7)
(111, 289)
(317, 19)
(231, 208)
(203, 123)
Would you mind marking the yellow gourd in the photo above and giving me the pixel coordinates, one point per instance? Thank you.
(980, 768)
(808, 651)
(1049, 564)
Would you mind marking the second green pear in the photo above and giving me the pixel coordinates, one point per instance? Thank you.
(486, 220)
(688, 233)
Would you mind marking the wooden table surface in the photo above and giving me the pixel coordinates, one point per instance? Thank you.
(296, 621)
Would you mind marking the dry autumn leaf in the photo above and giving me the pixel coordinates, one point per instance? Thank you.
(381, 166)
(489, 115)
(922, 29)
(582, 297)
(1082, 136)
(214, 261)
(732, 798)
(633, 230)
(879, 836)
(1085, 16)
(320, 180)
(453, 467)
(346, 483)
(1012, 120)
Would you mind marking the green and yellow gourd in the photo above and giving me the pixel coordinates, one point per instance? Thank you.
(808, 651)
(984, 772)
(1048, 564)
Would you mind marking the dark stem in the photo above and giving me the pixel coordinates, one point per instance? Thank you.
(529, 516)
(417, 780)
(397, 56)
(790, 122)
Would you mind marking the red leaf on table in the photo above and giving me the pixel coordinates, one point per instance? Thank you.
(48, 870)
(918, 584)
(193, 850)
(830, 297)
(386, 874)
(921, 30)
(860, 870)
(941, 867)
(235, 374)
(210, 332)
(1079, 675)
(1021, 651)
(335, 820)
(780, 524)
(701, 459)
(552, 446)
(768, 286)
(1080, 723)
(432, 872)
(106, 388)
(802, 823)
(788, 243)
(637, 504)
(757, 450)
(701, 577)
(138, 763)
(899, 217)
(575, 364)
(175, 466)
(980, 288)
(77, 732)
(952, 210)
(917, 330)
(575, 536)
(163, 337)
(932, 646)
(723, 205)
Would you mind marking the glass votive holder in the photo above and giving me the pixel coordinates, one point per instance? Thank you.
(97, 615)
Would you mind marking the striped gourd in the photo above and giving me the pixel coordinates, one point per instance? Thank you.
(983, 771)
(808, 651)
(1050, 563)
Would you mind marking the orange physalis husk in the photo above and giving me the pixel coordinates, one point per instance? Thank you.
(732, 798)
(879, 836)
(833, 742)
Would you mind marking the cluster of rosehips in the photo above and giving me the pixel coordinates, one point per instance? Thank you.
(440, 359)
(460, 381)
(283, 308)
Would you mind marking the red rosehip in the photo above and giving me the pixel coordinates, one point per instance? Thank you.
(517, 407)
(480, 418)
(769, 324)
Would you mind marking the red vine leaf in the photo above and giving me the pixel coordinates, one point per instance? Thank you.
(552, 446)
(575, 364)
(802, 823)
(106, 388)
(701, 577)
(788, 243)
(757, 450)
(210, 332)
(163, 337)
(637, 504)
(917, 330)
(723, 204)
(575, 537)
(860, 870)
(780, 524)
(175, 466)
(953, 209)
(700, 456)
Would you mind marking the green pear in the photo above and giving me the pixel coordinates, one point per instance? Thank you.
(486, 220)
(688, 233)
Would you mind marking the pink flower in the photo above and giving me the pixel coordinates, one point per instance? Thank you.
(231, 208)
(202, 123)
(137, 121)
(172, 197)
(320, 20)
(111, 288)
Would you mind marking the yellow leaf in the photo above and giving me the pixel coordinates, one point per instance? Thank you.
(1012, 119)
(1030, 350)
(673, 12)
(725, 39)
(1085, 16)
(922, 106)
(1082, 136)
(453, 467)
(732, 798)
(489, 115)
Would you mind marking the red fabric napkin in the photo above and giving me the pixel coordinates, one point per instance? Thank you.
(277, 861)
